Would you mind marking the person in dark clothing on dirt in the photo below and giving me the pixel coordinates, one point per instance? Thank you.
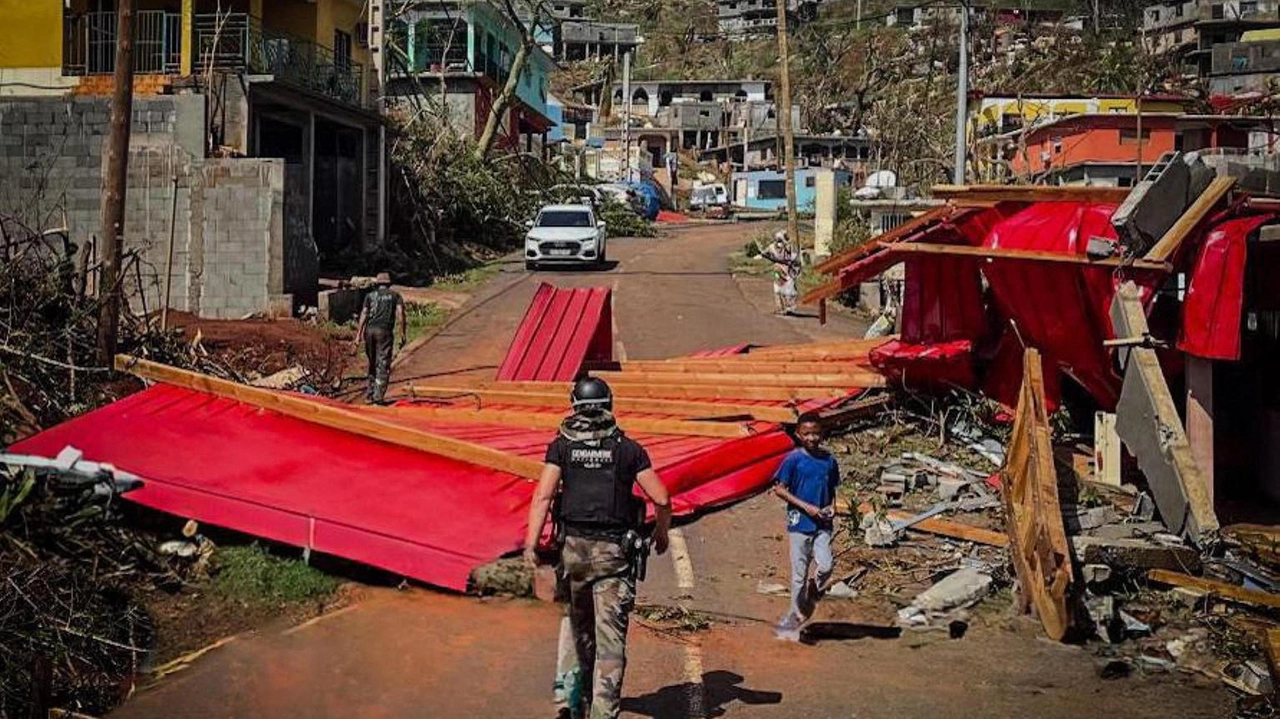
(382, 308)
(594, 468)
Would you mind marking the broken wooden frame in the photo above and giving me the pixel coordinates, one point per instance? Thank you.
(665, 390)
(552, 421)
(851, 378)
(1214, 587)
(1148, 423)
(1031, 193)
(482, 398)
(332, 416)
(1033, 515)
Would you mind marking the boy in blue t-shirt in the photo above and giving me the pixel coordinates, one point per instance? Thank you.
(807, 482)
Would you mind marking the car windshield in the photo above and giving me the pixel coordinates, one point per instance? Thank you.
(564, 218)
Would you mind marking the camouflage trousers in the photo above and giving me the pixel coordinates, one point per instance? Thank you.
(602, 593)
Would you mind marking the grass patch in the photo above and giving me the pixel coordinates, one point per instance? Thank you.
(423, 318)
(466, 280)
(251, 574)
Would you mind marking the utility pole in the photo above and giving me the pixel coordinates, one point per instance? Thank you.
(114, 186)
(1097, 27)
(784, 123)
(626, 116)
(962, 97)
(377, 48)
(858, 24)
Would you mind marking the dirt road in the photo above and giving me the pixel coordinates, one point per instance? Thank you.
(425, 654)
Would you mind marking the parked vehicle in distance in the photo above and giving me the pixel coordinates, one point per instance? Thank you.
(704, 197)
(621, 193)
(565, 234)
(584, 194)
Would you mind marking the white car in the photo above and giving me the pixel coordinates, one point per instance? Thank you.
(565, 234)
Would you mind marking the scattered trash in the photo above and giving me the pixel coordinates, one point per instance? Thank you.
(1115, 669)
(877, 530)
(841, 590)
(1250, 677)
(961, 588)
(772, 588)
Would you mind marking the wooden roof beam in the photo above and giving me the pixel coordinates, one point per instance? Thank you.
(704, 393)
(552, 421)
(850, 379)
(1032, 193)
(684, 408)
(334, 417)
(992, 254)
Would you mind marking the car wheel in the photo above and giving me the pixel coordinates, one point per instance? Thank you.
(531, 266)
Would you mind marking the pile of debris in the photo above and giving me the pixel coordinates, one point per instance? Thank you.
(73, 633)
(938, 527)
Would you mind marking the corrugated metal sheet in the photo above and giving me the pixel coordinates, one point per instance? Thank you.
(1215, 297)
(562, 329)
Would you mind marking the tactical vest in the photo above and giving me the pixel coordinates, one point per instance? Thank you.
(595, 496)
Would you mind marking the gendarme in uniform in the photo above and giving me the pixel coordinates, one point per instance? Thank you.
(597, 468)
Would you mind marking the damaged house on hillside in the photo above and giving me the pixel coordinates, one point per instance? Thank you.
(467, 48)
(253, 125)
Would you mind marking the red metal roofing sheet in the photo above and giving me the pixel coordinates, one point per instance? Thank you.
(561, 330)
(421, 515)
(1215, 297)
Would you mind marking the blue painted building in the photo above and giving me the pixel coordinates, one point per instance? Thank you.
(767, 189)
(471, 45)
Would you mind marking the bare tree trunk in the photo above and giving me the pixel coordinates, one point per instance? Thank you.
(503, 99)
(114, 186)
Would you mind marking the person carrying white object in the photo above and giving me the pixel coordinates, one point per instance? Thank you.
(786, 269)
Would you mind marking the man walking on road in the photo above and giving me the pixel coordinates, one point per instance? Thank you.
(595, 467)
(382, 308)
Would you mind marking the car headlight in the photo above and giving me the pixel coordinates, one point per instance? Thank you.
(589, 242)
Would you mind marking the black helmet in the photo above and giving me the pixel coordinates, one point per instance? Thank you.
(590, 393)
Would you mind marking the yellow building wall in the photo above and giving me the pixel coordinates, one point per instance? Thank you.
(31, 33)
(294, 17)
(344, 15)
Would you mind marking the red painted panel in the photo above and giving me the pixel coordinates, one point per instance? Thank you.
(1214, 304)
(562, 329)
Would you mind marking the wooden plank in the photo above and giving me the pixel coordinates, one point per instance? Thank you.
(684, 408)
(742, 367)
(327, 415)
(1223, 590)
(674, 391)
(993, 254)
(1033, 514)
(935, 525)
(850, 345)
(863, 379)
(1032, 193)
(1106, 449)
(857, 409)
(840, 260)
(550, 420)
(1196, 214)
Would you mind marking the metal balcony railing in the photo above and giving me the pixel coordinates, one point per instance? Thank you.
(238, 41)
(89, 43)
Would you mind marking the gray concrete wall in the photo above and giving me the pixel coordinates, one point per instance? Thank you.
(233, 251)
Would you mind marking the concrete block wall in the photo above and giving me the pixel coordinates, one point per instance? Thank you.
(233, 251)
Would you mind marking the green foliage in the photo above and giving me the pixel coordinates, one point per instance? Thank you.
(449, 209)
(423, 318)
(620, 221)
(251, 574)
(16, 489)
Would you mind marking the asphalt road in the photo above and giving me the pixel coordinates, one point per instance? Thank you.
(421, 653)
